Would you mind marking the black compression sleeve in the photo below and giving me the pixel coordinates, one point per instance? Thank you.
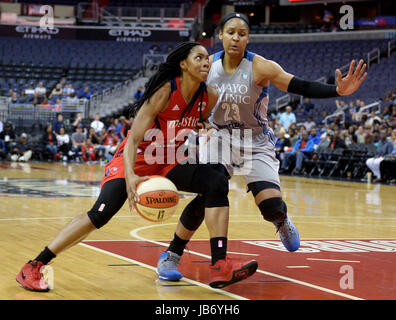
(312, 89)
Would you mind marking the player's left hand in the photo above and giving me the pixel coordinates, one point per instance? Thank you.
(352, 81)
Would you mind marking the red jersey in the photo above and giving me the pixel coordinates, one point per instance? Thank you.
(158, 152)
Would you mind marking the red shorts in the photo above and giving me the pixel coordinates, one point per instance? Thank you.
(115, 168)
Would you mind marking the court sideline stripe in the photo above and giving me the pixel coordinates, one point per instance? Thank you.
(134, 232)
(231, 295)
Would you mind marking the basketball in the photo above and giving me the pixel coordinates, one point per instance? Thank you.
(157, 198)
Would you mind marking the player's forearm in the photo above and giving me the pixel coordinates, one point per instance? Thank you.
(312, 89)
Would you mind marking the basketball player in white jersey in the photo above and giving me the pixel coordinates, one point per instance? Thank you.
(242, 79)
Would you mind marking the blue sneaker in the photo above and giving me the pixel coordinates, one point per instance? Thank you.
(167, 266)
(288, 234)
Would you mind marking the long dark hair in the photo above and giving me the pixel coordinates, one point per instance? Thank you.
(168, 70)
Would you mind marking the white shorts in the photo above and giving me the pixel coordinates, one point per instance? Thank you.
(252, 156)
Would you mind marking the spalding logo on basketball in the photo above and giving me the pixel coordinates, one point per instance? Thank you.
(158, 198)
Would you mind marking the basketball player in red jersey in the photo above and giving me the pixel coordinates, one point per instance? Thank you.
(175, 100)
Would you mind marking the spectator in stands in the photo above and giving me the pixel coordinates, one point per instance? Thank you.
(44, 102)
(8, 136)
(391, 121)
(360, 134)
(384, 148)
(301, 150)
(292, 136)
(3, 150)
(287, 118)
(56, 92)
(125, 127)
(309, 124)
(281, 145)
(88, 151)
(58, 123)
(117, 128)
(314, 136)
(58, 105)
(68, 89)
(22, 151)
(388, 165)
(49, 141)
(154, 49)
(138, 94)
(71, 99)
(14, 98)
(30, 91)
(336, 141)
(40, 92)
(78, 120)
(23, 98)
(85, 94)
(111, 142)
(1, 126)
(63, 143)
(97, 124)
(340, 105)
(307, 106)
(372, 119)
(78, 139)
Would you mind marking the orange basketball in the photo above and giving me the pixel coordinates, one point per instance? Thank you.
(157, 198)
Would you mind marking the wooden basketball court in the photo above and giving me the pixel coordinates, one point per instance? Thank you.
(347, 229)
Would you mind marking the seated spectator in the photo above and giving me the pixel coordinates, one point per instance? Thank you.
(45, 103)
(50, 142)
(309, 124)
(301, 150)
(23, 98)
(335, 140)
(14, 98)
(282, 144)
(71, 100)
(8, 136)
(154, 49)
(307, 106)
(111, 142)
(138, 94)
(68, 89)
(22, 151)
(97, 124)
(315, 136)
(1, 126)
(125, 127)
(58, 123)
(78, 120)
(384, 148)
(85, 94)
(388, 168)
(3, 150)
(287, 118)
(292, 136)
(30, 91)
(40, 92)
(372, 119)
(88, 151)
(340, 105)
(78, 139)
(117, 128)
(58, 105)
(56, 92)
(63, 143)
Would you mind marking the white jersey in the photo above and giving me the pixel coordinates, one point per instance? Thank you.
(242, 104)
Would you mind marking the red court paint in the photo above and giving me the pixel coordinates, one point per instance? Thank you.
(348, 268)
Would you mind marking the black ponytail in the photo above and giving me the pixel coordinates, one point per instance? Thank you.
(166, 71)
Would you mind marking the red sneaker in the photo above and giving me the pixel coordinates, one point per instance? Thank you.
(226, 272)
(31, 277)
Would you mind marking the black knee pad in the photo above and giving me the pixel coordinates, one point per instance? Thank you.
(273, 209)
(111, 199)
(194, 213)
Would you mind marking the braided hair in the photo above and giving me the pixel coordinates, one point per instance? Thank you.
(168, 70)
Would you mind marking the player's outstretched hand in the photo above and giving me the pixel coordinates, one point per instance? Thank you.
(352, 81)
